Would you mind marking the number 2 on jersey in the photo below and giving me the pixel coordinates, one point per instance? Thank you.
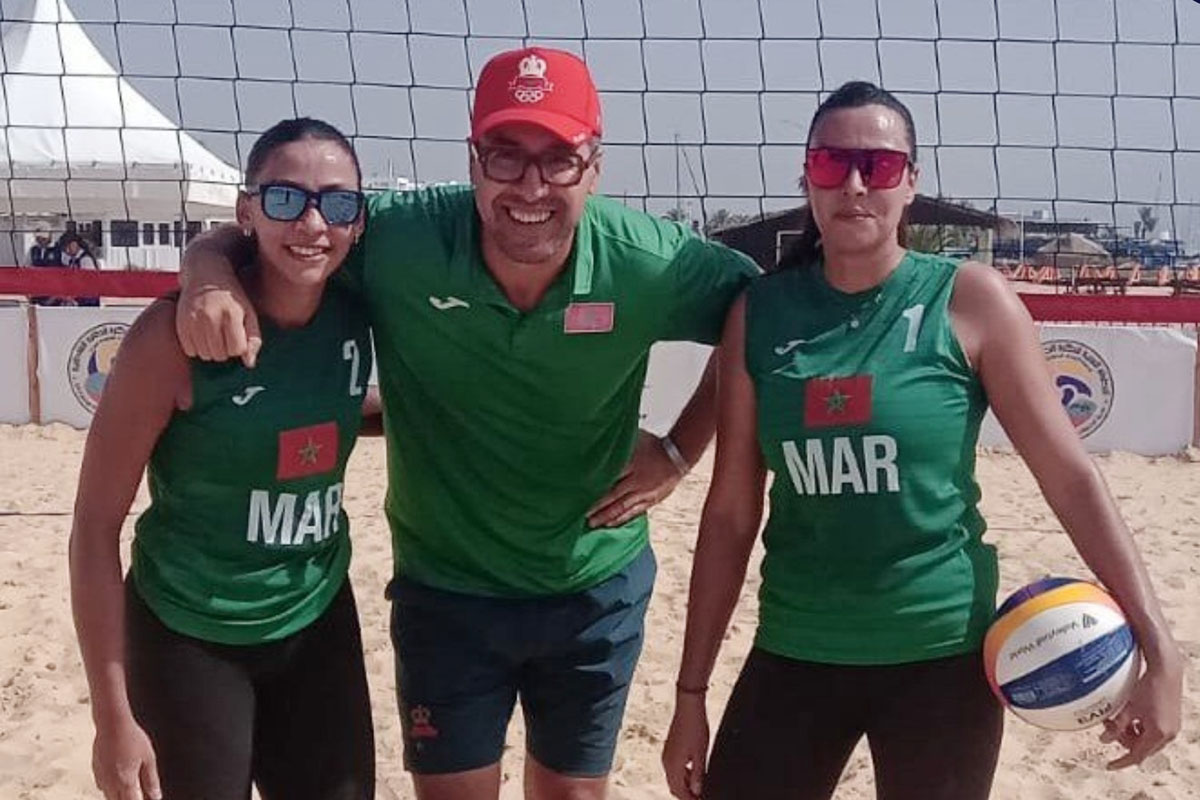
(350, 353)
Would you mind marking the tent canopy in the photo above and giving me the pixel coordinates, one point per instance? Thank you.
(1072, 250)
(77, 139)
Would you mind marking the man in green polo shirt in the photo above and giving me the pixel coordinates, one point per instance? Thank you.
(513, 321)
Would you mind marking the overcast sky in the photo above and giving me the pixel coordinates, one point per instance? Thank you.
(1017, 102)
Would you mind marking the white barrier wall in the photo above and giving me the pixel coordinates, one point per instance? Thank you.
(76, 348)
(674, 371)
(1125, 388)
(14, 365)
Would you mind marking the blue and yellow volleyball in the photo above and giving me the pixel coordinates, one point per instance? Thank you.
(1061, 655)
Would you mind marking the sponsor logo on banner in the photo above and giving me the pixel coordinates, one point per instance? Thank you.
(91, 361)
(1084, 382)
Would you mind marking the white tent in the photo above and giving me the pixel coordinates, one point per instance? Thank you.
(78, 141)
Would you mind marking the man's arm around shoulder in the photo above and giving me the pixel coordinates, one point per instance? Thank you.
(214, 318)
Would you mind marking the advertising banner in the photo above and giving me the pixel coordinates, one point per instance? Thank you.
(76, 350)
(14, 365)
(1124, 388)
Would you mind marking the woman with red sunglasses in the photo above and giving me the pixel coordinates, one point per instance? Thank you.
(858, 373)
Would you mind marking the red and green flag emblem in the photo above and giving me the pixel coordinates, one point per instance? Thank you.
(307, 451)
(834, 402)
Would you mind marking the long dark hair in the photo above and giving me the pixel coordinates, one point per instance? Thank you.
(806, 248)
(293, 130)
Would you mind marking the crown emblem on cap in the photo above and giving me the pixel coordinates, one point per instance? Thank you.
(532, 66)
(530, 85)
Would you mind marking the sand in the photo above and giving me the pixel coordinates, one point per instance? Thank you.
(45, 726)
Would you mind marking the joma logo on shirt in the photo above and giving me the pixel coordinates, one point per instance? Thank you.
(857, 465)
(292, 521)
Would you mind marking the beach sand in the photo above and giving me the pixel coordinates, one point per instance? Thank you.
(45, 726)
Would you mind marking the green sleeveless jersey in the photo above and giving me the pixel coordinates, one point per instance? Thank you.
(245, 540)
(868, 415)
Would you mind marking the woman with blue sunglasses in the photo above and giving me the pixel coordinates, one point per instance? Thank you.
(230, 654)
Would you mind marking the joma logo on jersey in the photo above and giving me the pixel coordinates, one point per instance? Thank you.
(292, 521)
(843, 465)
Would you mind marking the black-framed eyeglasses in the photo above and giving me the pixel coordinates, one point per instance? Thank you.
(505, 164)
(286, 203)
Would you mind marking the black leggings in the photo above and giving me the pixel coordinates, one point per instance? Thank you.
(934, 729)
(291, 716)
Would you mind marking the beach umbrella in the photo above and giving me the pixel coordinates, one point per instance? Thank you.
(1072, 250)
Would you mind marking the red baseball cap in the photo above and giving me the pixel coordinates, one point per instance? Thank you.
(539, 85)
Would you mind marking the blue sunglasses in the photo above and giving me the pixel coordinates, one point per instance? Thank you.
(284, 203)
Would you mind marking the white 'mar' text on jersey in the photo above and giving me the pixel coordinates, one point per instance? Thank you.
(292, 520)
(843, 465)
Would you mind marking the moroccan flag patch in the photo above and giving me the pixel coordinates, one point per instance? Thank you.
(307, 451)
(830, 402)
(589, 318)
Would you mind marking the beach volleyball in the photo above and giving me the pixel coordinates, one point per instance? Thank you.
(1061, 655)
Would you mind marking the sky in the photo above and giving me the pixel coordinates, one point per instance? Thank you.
(1084, 108)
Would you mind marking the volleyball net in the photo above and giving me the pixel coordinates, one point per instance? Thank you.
(1066, 126)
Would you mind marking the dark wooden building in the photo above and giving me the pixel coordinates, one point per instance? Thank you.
(764, 238)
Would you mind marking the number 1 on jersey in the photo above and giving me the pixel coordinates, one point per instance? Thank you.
(913, 314)
(350, 353)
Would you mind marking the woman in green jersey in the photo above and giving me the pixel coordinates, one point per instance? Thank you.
(231, 655)
(859, 374)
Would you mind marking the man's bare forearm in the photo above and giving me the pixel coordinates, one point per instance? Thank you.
(223, 244)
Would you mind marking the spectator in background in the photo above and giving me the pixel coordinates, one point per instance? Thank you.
(43, 254)
(77, 255)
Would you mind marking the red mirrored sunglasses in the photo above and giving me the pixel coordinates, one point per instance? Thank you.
(828, 167)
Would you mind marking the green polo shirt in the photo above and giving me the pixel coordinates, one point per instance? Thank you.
(503, 427)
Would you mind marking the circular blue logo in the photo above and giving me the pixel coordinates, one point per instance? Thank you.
(1084, 382)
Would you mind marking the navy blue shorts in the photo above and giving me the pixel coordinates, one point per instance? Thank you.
(463, 660)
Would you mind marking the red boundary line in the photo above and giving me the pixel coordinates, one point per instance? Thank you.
(1144, 309)
(54, 282)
